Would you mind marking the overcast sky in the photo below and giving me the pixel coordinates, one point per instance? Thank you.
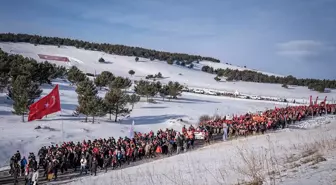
(282, 36)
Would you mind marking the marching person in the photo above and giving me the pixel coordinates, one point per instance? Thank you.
(94, 166)
(35, 177)
(225, 135)
(83, 163)
(23, 164)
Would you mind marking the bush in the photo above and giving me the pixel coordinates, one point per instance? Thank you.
(285, 86)
(319, 87)
(149, 77)
(204, 118)
(217, 78)
(101, 60)
(170, 62)
(131, 72)
(159, 75)
(136, 59)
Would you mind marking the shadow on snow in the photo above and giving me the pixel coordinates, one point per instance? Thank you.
(150, 120)
(189, 100)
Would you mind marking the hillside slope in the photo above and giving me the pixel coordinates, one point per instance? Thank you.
(120, 65)
(147, 116)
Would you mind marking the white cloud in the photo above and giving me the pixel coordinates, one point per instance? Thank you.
(303, 49)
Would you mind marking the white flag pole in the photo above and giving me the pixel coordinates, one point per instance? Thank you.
(62, 127)
(132, 130)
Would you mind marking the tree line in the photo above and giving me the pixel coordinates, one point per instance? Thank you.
(116, 100)
(108, 48)
(22, 78)
(253, 76)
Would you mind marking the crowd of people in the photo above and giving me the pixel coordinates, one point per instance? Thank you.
(113, 153)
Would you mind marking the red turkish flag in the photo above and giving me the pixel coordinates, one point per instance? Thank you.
(47, 105)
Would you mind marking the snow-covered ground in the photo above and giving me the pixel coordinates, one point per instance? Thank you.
(16, 135)
(120, 65)
(289, 156)
(210, 165)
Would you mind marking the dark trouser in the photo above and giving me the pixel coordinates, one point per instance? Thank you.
(105, 167)
(22, 170)
(94, 171)
(119, 162)
(192, 143)
(55, 173)
(83, 168)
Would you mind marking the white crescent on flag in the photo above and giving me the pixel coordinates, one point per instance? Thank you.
(54, 101)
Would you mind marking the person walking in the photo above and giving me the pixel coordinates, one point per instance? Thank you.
(23, 164)
(16, 173)
(179, 143)
(225, 135)
(83, 163)
(94, 166)
(35, 177)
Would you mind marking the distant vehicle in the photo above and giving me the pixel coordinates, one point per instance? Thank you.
(212, 93)
(256, 97)
(185, 89)
(199, 91)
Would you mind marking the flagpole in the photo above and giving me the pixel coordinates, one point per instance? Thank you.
(62, 127)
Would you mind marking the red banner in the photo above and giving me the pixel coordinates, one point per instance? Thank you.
(316, 100)
(50, 57)
(311, 100)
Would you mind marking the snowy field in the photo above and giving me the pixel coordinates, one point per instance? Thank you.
(288, 156)
(216, 164)
(120, 65)
(16, 135)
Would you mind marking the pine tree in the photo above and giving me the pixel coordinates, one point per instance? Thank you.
(75, 75)
(175, 89)
(131, 72)
(104, 79)
(45, 72)
(23, 92)
(164, 91)
(87, 92)
(97, 107)
(4, 72)
(145, 88)
(120, 83)
(133, 99)
(116, 101)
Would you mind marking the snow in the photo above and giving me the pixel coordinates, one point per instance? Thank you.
(120, 65)
(16, 135)
(209, 165)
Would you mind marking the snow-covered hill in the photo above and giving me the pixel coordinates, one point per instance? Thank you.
(209, 165)
(16, 135)
(120, 65)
